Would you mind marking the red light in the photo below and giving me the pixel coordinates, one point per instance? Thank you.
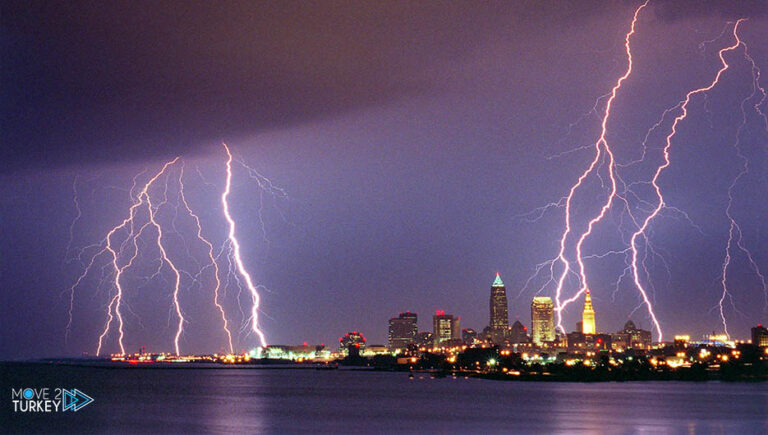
(305, 343)
(440, 312)
(599, 340)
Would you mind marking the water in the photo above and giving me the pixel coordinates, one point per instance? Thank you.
(279, 401)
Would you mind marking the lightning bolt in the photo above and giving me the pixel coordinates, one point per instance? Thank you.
(735, 234)
(212, 260)
(602, 150)
(116, 301)
(654, 181)
(177, 274)
(122, 245)
(78, 215)
(236, 251)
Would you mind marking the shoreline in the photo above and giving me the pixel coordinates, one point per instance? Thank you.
(588, 377)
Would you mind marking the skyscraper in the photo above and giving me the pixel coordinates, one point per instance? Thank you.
(542, 320)
(446, 328)
(402, 330)
(499, 316)
(588, 316)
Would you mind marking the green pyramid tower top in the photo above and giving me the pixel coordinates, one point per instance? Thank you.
(498, 282)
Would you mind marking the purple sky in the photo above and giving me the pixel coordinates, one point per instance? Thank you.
(409, 138)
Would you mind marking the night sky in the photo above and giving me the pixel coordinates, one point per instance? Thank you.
(412, 139)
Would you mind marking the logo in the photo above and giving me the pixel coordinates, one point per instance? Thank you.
(75, 399)
(31, 400)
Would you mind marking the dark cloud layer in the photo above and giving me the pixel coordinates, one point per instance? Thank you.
(95, 81)
(111, 80)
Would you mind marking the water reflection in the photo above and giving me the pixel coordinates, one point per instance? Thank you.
(339, 401)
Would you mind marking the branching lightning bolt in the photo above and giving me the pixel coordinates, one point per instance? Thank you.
(213, 263)
(236, 251)
(115, 302)
(176, 273)
(734, 230)
(601, 149)
(654, 181)
(120, 248)
(604, 160)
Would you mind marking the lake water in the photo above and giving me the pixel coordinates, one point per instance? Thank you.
(280, 401)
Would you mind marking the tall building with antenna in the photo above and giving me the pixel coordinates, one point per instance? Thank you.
(588, 316)
(499, 315)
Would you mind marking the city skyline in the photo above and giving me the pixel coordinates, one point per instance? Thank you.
(404, 328)
(445, 332)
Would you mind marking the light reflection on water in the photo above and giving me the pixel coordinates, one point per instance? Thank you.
(241, 401)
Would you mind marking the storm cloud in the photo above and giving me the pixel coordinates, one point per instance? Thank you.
(112, 81)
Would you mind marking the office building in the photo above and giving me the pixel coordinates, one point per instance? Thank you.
(402, 330)
(445, 328)
(542, 320)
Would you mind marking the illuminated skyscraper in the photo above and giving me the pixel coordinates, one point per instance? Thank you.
(542, 320)
(402, 330)
(499, 317)
(446, 328)
(588, 316)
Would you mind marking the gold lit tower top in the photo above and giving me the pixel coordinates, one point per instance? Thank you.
(588, 316)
